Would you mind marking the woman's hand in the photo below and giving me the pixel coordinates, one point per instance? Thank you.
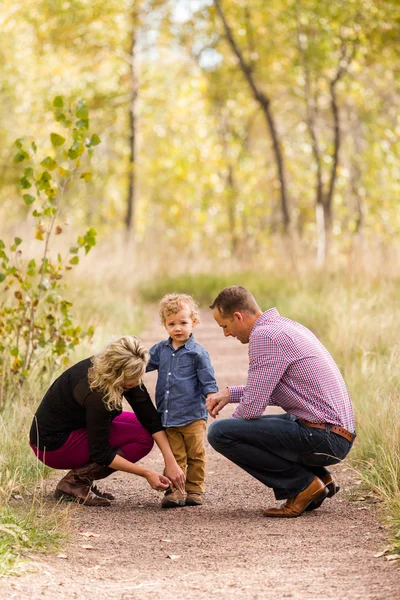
(172, 469)
(176, 475)
(157, 481)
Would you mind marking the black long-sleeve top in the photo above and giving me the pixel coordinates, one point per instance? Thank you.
(70, 404)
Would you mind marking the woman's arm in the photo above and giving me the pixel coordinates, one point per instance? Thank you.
(172, 469)
(156, 481)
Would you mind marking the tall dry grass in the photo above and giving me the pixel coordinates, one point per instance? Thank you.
(352, 306)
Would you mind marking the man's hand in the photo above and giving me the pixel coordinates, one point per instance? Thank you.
(215, 402)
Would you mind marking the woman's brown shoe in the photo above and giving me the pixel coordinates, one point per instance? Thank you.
(76, 486)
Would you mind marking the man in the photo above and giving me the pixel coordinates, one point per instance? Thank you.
(290, 368)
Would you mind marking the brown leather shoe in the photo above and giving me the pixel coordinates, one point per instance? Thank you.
(294, 507)
(332, 488)
(102, 493)
(173, 499)
(76, 486)
(193, 499)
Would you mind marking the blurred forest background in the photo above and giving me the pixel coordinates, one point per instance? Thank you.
(231, 142)
(230, 129)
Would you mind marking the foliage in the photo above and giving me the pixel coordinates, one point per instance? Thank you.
(35, 318)
(23, 529)
(204, 166)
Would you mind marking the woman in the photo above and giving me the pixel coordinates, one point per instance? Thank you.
(80, 425)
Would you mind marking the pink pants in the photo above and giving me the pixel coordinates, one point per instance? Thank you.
(126, 433)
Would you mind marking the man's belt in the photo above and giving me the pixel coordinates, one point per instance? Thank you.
(334, 428)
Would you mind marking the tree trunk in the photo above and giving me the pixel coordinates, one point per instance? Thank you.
(131, 194)
(265, 104)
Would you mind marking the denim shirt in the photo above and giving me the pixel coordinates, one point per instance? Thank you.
(185, 377)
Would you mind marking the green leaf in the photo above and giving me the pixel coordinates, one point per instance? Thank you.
(86, 176)
(74, 250)
(31, 270)
(28, 199)
(94, 140)
(28, 172)
(57, 140)
(34, 147)
(49, 163)
(45, 176)
(14, 351)
(2, 277)
(2, 244)
(19, 142)
(17, 241)
(58, 102)
(82, 111)
(74, 260)
(20, 156)
(25, 183)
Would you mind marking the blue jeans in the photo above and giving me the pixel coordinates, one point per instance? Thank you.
(278, 450)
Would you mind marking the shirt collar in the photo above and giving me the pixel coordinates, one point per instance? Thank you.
(190, 343)
(268, 315)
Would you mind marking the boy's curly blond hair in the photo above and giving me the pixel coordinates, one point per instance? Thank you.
(173, 303)
(125, 358)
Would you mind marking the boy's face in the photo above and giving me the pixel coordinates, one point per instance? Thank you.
(179, 326)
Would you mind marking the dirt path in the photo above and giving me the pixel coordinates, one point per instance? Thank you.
(224, 549)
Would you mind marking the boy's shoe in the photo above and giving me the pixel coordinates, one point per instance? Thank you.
(194, 499)
(173, 499)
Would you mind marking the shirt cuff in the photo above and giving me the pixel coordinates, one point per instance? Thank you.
(209, 389)
(236, 393)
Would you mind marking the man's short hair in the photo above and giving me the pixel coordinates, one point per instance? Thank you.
(235, 298)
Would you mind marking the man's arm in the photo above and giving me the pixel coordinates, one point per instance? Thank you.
(267, 365)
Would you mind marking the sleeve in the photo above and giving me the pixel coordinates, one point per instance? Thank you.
(205, 373)
(236, 392)
(98, 422)
(154, 361)
(141, 404)
(266, 366)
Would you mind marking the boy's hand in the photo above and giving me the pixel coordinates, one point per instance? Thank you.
(215, 402)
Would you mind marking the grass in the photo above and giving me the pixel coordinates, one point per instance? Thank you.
(357, 317)
(27, 522)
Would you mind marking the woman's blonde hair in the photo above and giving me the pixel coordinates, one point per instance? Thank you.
(125, 358)
(173, 303)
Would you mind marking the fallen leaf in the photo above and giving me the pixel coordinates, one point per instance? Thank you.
(62, 555)
(174, 556)
(165, 540)
(17, 497)
(89, 534)
(87, 546)
(379, 554)
(392, 557)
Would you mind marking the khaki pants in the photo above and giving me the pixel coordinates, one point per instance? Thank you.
(187, 445)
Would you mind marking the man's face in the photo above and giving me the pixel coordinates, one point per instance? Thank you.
(234, 326)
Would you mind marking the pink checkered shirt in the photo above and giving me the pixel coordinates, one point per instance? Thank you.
(290, 368)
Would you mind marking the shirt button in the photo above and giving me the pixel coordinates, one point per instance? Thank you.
(167, 392)
(166, 411)
(173, 355)
(169, 373)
